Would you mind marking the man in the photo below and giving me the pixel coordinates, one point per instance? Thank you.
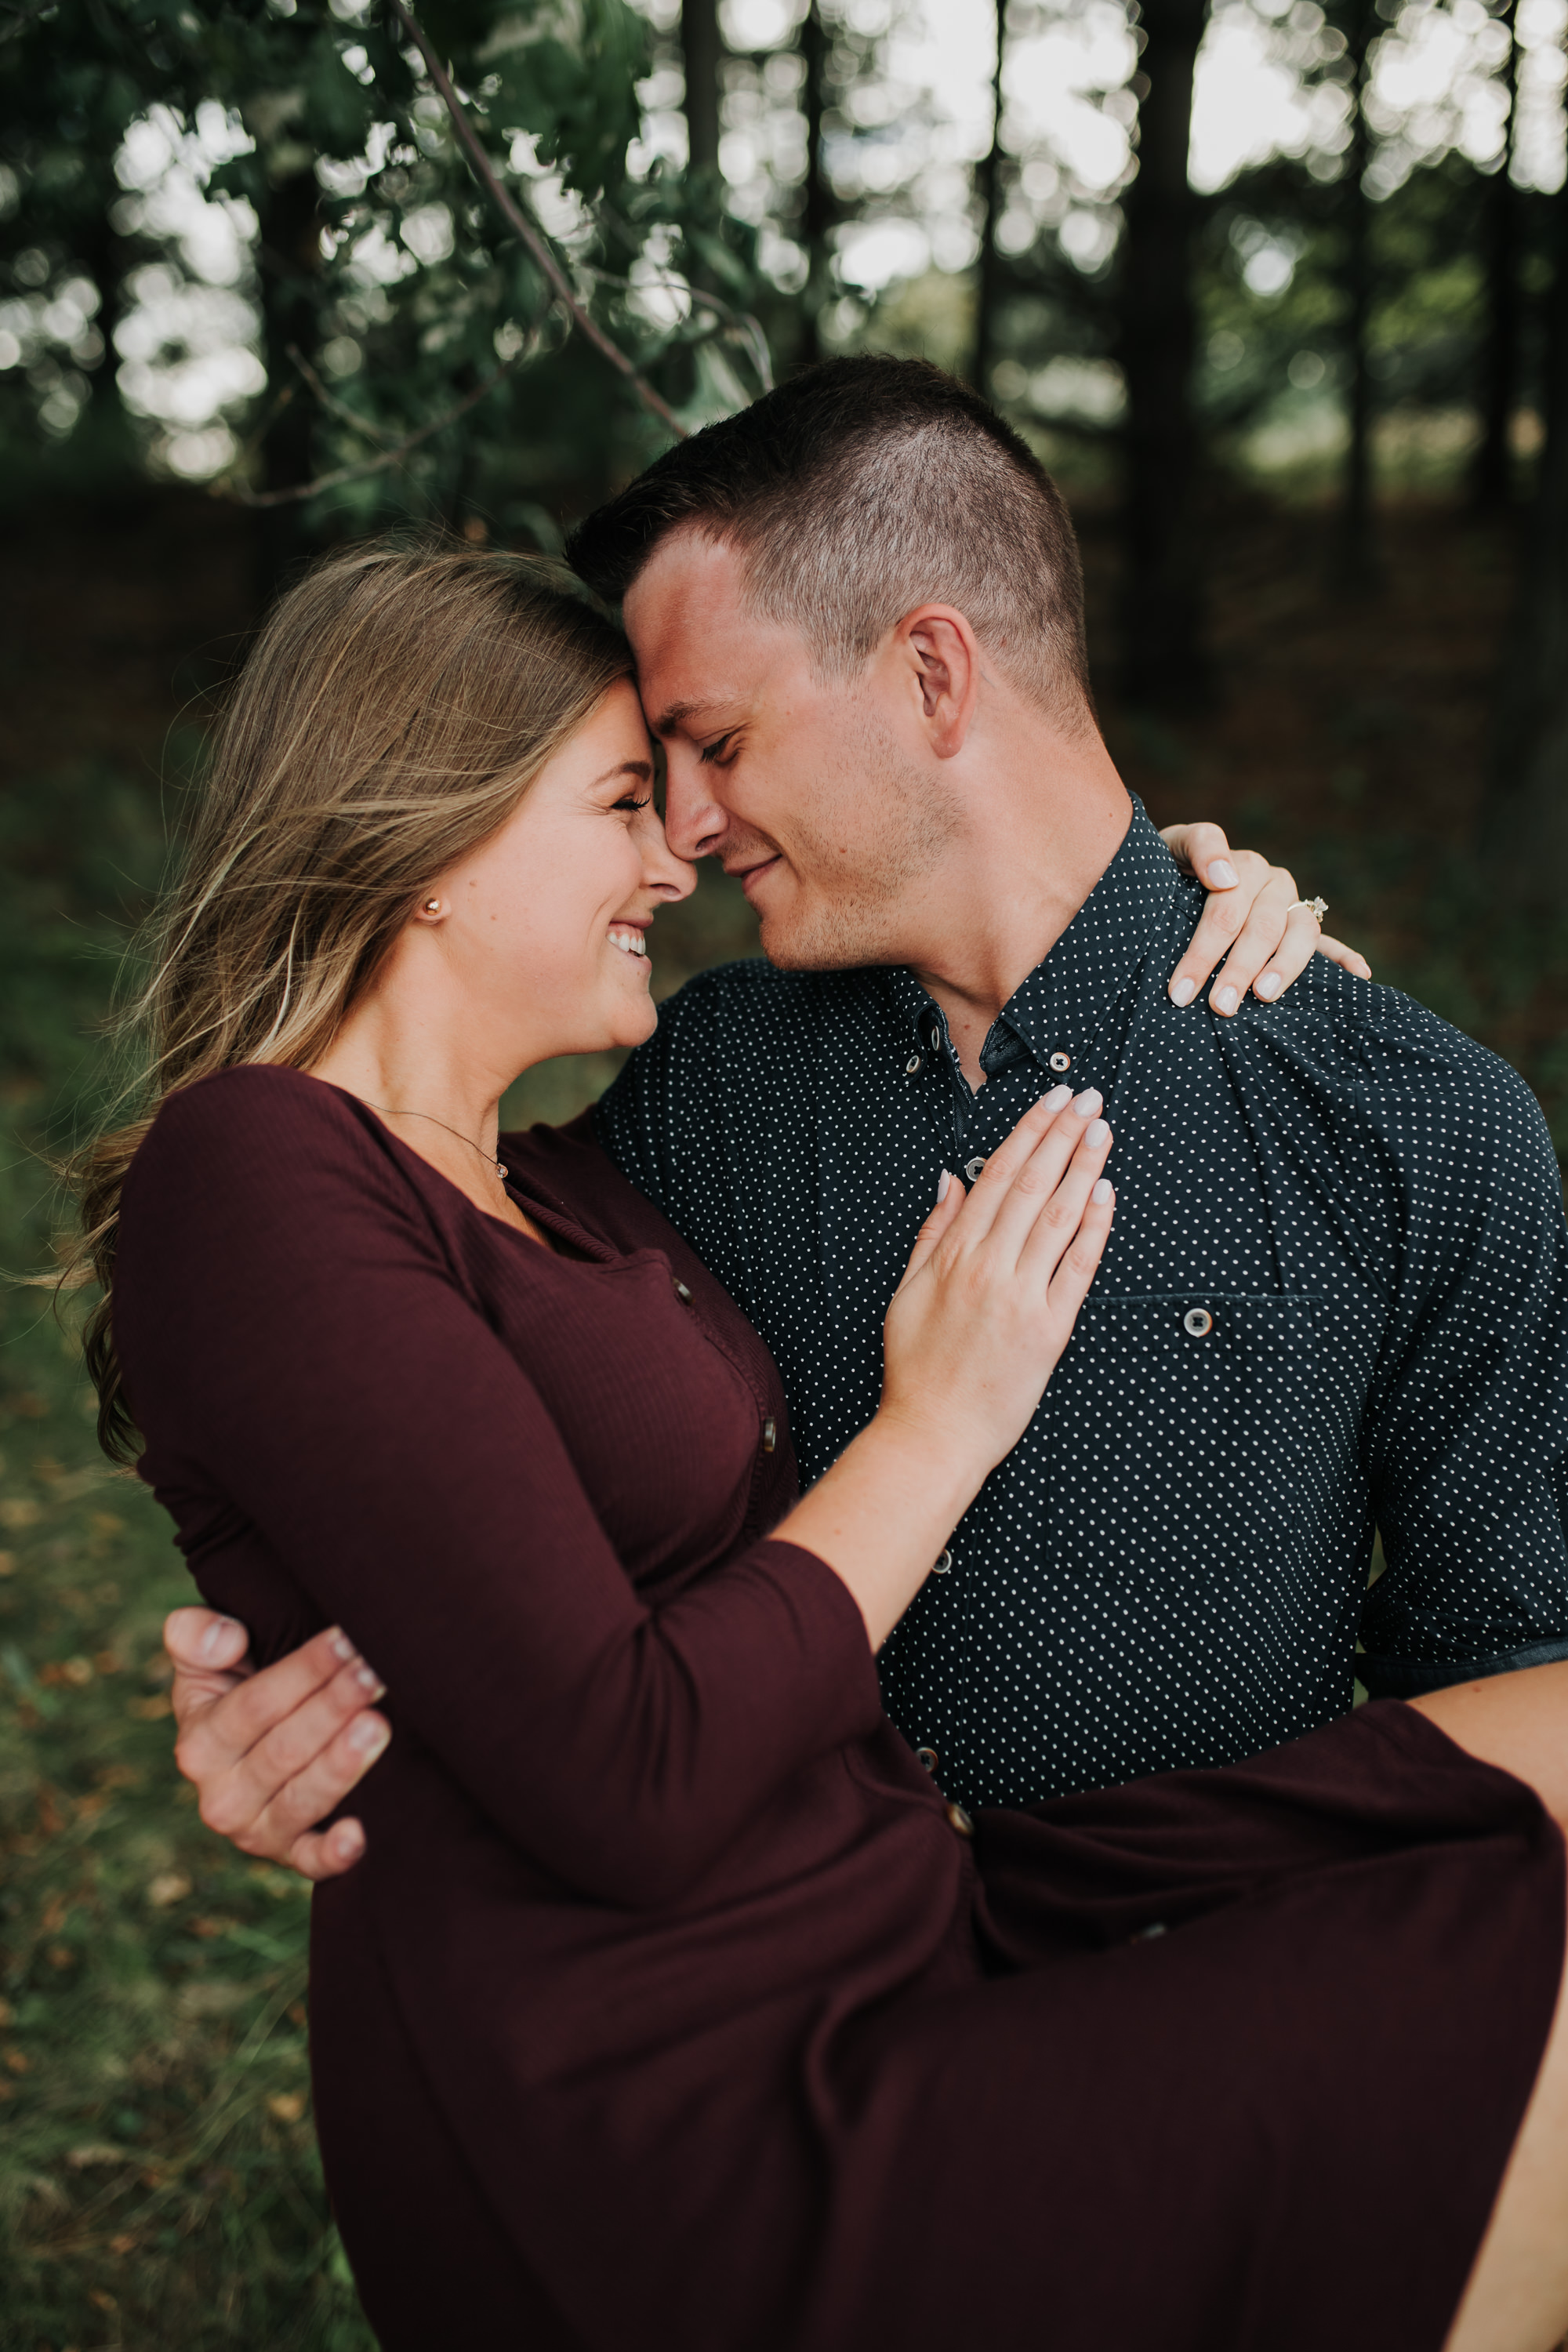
(1334, 1292)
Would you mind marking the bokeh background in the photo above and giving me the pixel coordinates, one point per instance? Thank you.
(1279, 290)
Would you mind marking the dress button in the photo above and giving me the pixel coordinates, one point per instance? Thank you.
(959, 1820)
(941, 1566)
(972, 1167)
(770, 1434)
(1198, 1322)
(681, 1292)
(926, 1755)
(1060, 1062)
(912, 1065)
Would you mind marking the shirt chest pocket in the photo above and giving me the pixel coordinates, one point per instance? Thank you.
(1216, 1418)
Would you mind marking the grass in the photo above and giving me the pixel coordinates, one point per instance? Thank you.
(159, 2185)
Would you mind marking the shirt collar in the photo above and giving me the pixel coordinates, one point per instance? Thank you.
(1056, 1010)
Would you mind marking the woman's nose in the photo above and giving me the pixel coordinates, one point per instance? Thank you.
(674, 878)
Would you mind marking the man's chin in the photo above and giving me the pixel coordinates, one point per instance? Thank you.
(820, 939)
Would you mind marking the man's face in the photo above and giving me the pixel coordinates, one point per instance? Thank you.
(819, 795)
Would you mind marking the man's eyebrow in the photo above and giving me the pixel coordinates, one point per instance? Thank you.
(642, 768)
(669, 720)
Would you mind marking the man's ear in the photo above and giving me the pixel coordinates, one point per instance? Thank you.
(944, 658)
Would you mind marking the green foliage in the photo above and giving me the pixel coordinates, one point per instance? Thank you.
(389, 288)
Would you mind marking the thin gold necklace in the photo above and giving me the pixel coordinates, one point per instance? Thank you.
(498, 1165)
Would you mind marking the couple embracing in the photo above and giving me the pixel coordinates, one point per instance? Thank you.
(939, 1893)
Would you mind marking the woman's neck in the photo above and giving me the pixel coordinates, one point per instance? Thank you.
(432, 1096)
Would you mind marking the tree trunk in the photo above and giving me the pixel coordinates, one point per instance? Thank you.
(1492, 479)
(105, 435)
(816, 201)
(988, 178)
(1164, 665)
(1355, 562)
(701, 50)
(289, 259)
(1525, 815)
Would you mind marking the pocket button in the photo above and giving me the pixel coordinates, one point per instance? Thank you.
(1197, 1322)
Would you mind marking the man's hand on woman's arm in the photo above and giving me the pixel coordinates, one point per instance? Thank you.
(1253, 910)
(273, 1753)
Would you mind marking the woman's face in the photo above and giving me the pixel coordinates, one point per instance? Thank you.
(545, 925)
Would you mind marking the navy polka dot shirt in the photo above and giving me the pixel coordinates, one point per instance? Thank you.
(1335, 1295)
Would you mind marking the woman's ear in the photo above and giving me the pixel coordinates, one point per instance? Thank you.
(945, 656)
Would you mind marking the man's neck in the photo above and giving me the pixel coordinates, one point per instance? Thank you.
(1046, 830)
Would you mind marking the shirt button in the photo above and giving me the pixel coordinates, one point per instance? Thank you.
(926, 1755)
(941, 1566)
(959, 1820)
(912, 1065)
(933, 1038)
(972, 1167)
(1198, 1322)
(681, 1292)
(1060, 1062)
(770, 1434)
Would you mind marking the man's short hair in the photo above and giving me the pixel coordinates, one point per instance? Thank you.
(860, 489)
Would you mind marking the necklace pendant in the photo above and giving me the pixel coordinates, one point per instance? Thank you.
(500, 1171)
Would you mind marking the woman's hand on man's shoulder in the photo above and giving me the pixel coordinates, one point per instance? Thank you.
(1253, 918)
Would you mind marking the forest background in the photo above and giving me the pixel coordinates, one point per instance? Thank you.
(1279, 290)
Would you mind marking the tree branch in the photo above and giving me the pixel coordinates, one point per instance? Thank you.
(226, 487)
(524, 228)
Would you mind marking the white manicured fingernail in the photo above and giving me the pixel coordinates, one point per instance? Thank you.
(344, 1648)
(1226, 1000)
(348, 1841)
(216, 1638)
(1183, 991)
(369, 1735)
(1222, 875)
(1098, 1133)
(1058, 1098)
(1087, 1104)
(368, 1679)
(1104, 1191)
(1267, 984)
(943, 1185)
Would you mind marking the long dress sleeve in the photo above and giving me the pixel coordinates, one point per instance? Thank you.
(300, 1344)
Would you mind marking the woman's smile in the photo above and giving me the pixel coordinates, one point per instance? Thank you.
(630, 938)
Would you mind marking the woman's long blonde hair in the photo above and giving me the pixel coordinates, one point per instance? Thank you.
(394, 708)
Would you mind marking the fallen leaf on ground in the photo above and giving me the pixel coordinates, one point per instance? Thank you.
(169, 1887)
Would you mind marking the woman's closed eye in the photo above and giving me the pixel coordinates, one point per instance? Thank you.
(631, 801)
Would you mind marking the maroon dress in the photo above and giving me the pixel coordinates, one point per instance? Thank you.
(667, 2009)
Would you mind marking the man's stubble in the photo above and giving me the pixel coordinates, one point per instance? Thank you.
(871, 834)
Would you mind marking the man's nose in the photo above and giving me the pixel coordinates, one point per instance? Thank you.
(693, 821)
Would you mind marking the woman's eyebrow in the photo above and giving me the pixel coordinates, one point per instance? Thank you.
(642, 768)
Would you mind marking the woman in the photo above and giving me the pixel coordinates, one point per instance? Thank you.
(681, 2009)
